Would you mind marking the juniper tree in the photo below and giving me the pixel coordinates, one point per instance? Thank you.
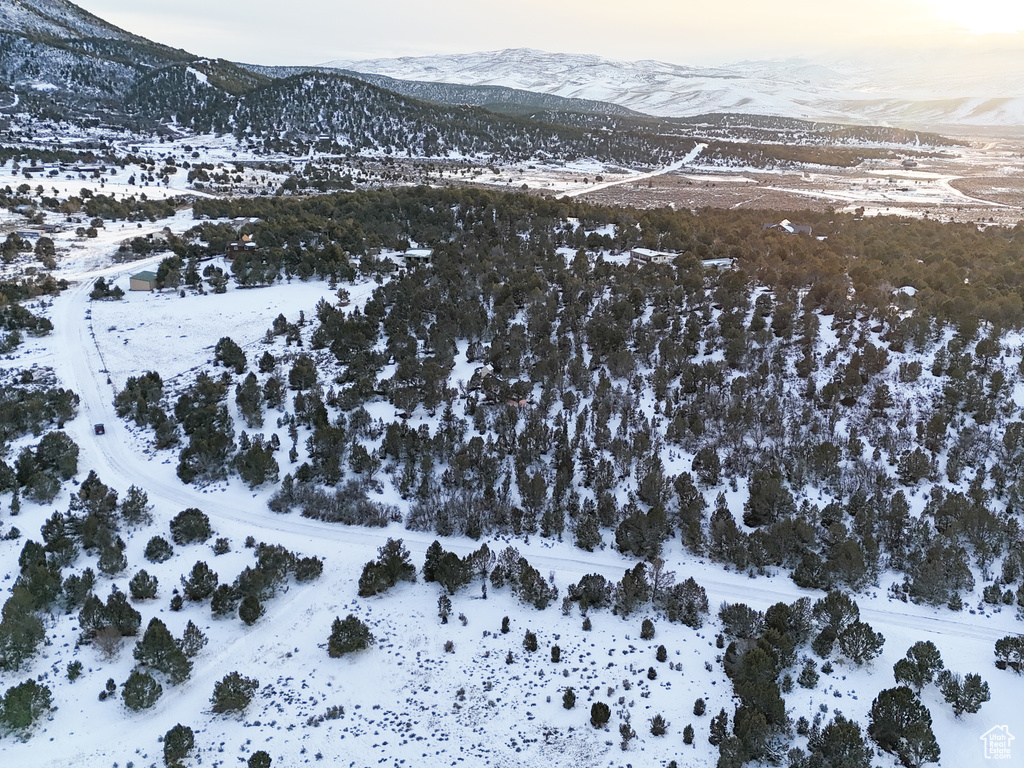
(600, 714)
(158, 550)
(902, 725)
(860, 643)
(227, 353)
(224, 601)
(530, 641)
(965, 694)
(158, 650)
(200, 583)
(659, 726)
(347, 636)
(142, 586)
(190, 526)
(444, 608)
(178, 742)
(250, 610)
(23, 704)
(920, 666)
(233, 693)
(140, 691)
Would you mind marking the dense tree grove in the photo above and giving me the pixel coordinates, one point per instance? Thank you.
(592, 377)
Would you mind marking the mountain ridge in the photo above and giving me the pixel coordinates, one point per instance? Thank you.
(981, 91)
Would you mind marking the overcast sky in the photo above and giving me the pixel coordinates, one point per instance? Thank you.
(679, 31)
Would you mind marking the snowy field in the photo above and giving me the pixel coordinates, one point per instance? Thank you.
(407, 702)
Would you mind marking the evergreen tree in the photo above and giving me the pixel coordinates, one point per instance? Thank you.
(158, 550)
(965, 695)
(200, 583)
(859, 643)
(140, 691)
(178, 742)
(23, 704)
(158, 650)
(902, 725)
(920, 666)
(569, 698)
(224, 601)
(1010, 653)
(190, 526)
(135, 507)
(444, 608)
(347, 636)
(142, 586)
(227, 353)
(600, 714)
(250, 610)
(719, 728)
(233, 693)
(192, 640)
(839, 744)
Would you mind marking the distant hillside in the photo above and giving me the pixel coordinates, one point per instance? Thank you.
(354, 115)
(493, 97)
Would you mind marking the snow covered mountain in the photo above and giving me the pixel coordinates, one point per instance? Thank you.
(927, 89)
(56, 18)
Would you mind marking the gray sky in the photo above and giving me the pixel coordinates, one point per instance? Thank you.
(680, 31)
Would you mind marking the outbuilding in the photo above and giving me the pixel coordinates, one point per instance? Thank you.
(143, 281)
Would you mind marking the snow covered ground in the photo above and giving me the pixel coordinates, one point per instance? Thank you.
(406, 701)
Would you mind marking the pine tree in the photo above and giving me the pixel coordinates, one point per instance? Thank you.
(135, 506)
(965, 695)
(600, 714)
(902, 725)
(142, 586)
(719, 729)
(840, 743)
